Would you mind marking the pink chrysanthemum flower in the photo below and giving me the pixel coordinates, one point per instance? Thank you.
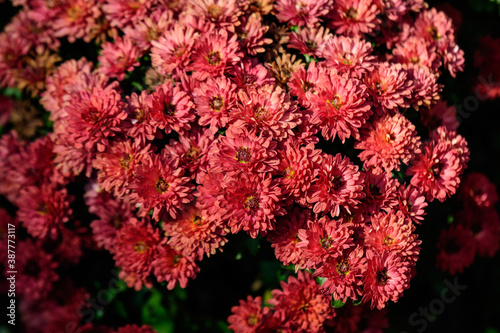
(58, 86)
(93, 117)
(265, 111)
(172, 51)
(214, 53)
(456, 142)
(209, 194)
(380, 192)
(436, 171)
(117, 165)
(453, 59)
(118, 57)
(36, 270)
(416, 50)
(121, 13)
(439, 115)
(386, 276)
(478, 191)
(161, 186)
(298, 167)
(221, 13)
(310, 41)
(435, 27)
(173, 267)
(143, 127)
(304, 83)
(389, 87)
(250, 72)
(133, 280)
(388, 141)
(71, 160)
(285, 238)
(251, 35)
(323, 239)
(75, 18)
(300, 304)
(354, 17)
(301, 12)
(425, 89)
(244, 152)
(485, 227)
(195, 234)
(412, 203)
(389, 232)
(12, 50)
(150, 28)
(343, 275)
(43, 210)
(192, 151)
(112, 216)
(348, 55)
(340, 106)
(339, 184)
(456, 248)
(136, 246)
(252, 203)
(171, 108)
(248, 316)
(214, 99)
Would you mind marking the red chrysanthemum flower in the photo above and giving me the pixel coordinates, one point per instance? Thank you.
(171, 108)
(251, 35)
(298, 167)
(195, 234)
(340, 106)
(304, 83)
(324, 239)
(160, 185)
(339, 184)
(121, 13)
(223, 14)
(252, 203)
(436, 171)
(117, 165)
(456, 143)
(75, 18)
(389, 87)
(354, 17)
(245, 152)
(173, 267)
(135, 329)
(247, 317)
(214, 53)
(485, 227)
(150, 28)
(415, 50)
(172, 51)
(285, 238)
(380, 192)
(93, 117)
(387, 276)
(456, 248)
(143, 127)
(311, 41)
(300, 304)
(136, 246)
(250, 72)
(214, 100)
(348, 55)
(478, 191)
(389, 232)
(425, 89)
(43, 210)
(343, 275)
(36, 270)
(412, 203)
(301, 12)
(209, 196)
(388, 141)
(118, 57)
(265, 111)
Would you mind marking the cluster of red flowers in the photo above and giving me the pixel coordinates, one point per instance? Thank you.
(225, 134)
(487, 85)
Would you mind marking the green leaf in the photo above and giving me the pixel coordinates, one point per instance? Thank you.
(337, 303)
(308, 58)
(153, 311)
(13, 92)
(320, 280)
(294, 28)
(450, 219)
